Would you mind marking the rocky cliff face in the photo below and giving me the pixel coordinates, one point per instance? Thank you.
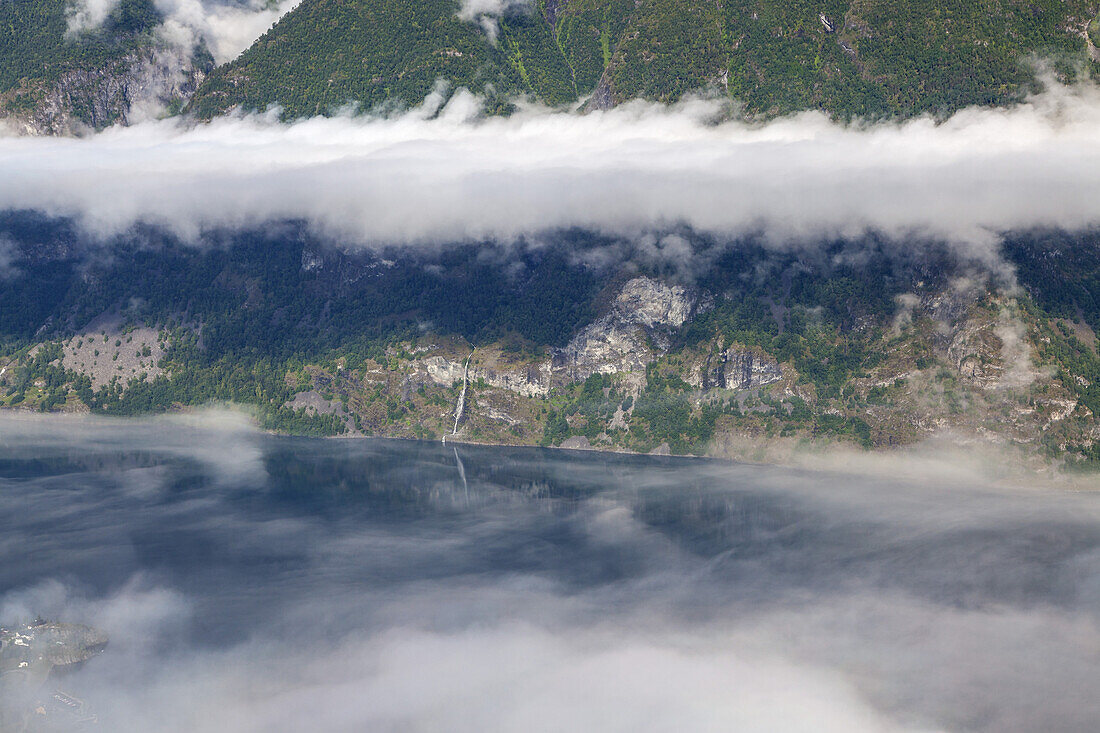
(105, 351)
(736, 368)
(144, 84)
(630, 336)
(529, 380)
(633, 333)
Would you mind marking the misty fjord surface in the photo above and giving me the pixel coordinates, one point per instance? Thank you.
(258, 583)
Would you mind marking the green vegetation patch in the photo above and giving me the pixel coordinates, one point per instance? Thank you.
(853, 58)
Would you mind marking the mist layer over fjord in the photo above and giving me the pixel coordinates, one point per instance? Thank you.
(435, 174)
(258, 583)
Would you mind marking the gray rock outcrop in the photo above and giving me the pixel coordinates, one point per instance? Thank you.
(738, 368)
(139, 86)
(632, 333)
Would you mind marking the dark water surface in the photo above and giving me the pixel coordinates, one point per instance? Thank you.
(257, 583)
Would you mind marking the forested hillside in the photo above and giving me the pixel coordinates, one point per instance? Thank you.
(851, 341)
(850, 57)
(35, 45)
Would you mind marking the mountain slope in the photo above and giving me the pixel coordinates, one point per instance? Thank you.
(859, 341)
(326, 54)
(34, 44)
(56, 80)
(850, 57)
(869, 58)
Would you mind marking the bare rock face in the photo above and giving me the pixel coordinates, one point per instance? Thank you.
(577, 442)
(992, 354)
(987, 346)
(134, 88)
(602, 97)
(443, 371)
(532, 380)
(654, 304)
(974, 352)
(1094, 52)
(529, 380)
(633, 333)
(630, 335)
(738, 367)
(315, 404)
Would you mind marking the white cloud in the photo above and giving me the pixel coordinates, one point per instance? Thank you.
(85, 15)
(414, 179)
(487, 13)
(471, 9)
(513, 677)
(227, 27)
(225, 440)
(7, 256)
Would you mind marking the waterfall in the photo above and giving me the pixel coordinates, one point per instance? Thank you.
(461, 407)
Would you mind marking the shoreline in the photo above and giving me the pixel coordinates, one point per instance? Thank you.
(946, 456)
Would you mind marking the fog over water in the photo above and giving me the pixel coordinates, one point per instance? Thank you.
(256, 583)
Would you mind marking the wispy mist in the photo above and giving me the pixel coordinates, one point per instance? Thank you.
(86, 15)
(227, 27)
(487, 13)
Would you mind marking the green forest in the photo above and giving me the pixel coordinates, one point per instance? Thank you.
(852, 58)
(868, 59)
(36, 48)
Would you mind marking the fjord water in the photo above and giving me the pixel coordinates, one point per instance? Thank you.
(258, 583)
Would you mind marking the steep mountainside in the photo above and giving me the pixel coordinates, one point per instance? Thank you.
(851, 57)
(867, 58)
(326, 54)
(59, 80)
(868, 342)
